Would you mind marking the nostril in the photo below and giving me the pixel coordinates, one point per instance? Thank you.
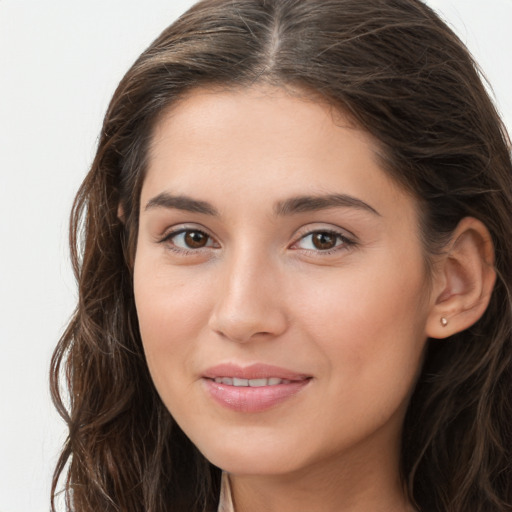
(242, 330)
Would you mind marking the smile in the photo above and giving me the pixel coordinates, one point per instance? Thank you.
(253, 383)
(252, 389)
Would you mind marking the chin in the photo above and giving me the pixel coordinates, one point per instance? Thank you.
(251, 460)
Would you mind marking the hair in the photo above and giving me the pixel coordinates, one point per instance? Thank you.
(402, 75)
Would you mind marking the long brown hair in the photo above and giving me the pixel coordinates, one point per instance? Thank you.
(403, 76)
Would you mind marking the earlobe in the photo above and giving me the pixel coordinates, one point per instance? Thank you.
(120, 213)
(464, 280)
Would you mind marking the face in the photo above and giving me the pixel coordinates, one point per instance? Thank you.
(280, 283)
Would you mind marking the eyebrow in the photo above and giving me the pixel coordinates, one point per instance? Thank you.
(301, 204)
(165, 200)
(291, 206)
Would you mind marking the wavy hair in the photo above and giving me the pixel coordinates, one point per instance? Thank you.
(403, 76)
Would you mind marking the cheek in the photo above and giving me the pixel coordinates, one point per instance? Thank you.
(172, 313)
(368, 323)
(166, 299)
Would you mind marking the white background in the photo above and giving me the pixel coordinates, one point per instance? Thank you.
(59, 64)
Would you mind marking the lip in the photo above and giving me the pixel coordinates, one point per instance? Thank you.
(253, 399)
(253, 371)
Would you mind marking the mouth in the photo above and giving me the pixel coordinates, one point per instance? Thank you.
(255, 375)
(254, 388)
(253, 383)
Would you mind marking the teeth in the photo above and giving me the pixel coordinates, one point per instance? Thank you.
(253, 383)
(257, 383)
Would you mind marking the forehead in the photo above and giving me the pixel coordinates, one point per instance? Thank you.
(264, 140)
(245, 109)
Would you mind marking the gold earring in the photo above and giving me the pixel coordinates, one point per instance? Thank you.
(444, 321)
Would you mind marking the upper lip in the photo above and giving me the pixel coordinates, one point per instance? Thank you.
(253, 371)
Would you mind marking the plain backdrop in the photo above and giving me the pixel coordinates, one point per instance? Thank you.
(60, 61)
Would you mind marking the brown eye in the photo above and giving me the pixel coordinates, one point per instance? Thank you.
(195, 239)
(324, 240)
(189, 239)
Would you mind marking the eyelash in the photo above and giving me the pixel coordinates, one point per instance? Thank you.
(169, 240)
(342, 241)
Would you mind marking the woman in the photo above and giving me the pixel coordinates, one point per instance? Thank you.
(293, 254)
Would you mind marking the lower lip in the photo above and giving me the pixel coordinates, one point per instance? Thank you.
(249, 399)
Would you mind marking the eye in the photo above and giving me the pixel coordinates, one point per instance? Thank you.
(324, 240)
(189, 239)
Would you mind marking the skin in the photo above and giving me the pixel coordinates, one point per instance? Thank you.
(353, 318)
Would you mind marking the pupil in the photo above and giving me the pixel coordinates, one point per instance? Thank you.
(195, 239)
(324, 241)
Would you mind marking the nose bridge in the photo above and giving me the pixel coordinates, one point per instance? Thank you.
(249, 299)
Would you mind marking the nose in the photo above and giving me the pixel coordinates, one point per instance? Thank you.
(249, 304)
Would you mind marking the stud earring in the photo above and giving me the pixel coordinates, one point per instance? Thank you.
(444, 321)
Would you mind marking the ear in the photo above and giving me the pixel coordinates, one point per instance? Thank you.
(120, 213)
(464, 280)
